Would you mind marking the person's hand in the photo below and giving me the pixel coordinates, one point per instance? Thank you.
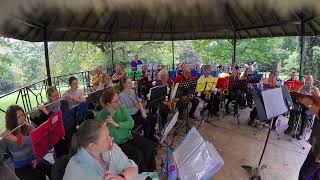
(34, 163)
(9, 136)
(167, 103)
(44, 109)
(110, 120)
(108, 176)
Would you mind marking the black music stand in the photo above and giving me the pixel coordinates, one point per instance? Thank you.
(234, 86)
(255, 172)
(205, 85)
(157, 95)
(185, 89)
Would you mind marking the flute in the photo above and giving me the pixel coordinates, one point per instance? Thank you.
(46, 105)
(16, 128)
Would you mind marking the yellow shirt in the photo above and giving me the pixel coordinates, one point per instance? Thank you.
(96, 80)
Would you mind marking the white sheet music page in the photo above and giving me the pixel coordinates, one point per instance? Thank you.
(174, 91)
(202, 164)
(273, 102)
(187, 146)
(170, 126)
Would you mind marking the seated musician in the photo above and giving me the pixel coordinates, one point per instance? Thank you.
(307, 89)
(120, 124)
(144, 83)
(19, 145)
(45, 112)
(135, 62)
(97, 78)
(164, 107)
(129, 98)
(213, 100)
(247, 75)
(293, 77)
(90, 151)
(74, 95)
(118, 74)
(182, 103)
(278, 78)
(234, 75)
(105, 83)
(272, 83)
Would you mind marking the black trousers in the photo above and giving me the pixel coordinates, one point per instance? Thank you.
(213, 103)
(304, 118)
(310, 168)
(141, 151)
(233, 95)
(183, 103)
(148, 124)
(39, 173)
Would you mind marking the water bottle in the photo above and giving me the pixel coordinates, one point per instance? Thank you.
(172, 172)
(278, 124)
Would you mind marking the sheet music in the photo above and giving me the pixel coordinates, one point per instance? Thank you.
(204, 162)
(170, 126)
(187, 146)
(174, 91)
(273, 102)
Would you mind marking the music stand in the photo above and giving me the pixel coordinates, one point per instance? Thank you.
(206, 85)
(156, 96)
(185, 89)
(164, 138)
(255, 172)
(236, 85)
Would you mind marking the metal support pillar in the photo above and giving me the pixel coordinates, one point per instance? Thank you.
(302, 50)
(234, 42)
(46, 54)
(172, 45)
(112, 59)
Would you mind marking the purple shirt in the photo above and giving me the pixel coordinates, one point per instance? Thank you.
(134, 64)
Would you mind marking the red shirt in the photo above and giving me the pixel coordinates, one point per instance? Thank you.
(180, 78)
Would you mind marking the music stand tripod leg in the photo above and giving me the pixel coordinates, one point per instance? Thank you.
(255, 172)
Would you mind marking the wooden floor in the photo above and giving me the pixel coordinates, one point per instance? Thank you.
(243, 145)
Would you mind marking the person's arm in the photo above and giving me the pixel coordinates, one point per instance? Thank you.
(124, 165)
(128, 123)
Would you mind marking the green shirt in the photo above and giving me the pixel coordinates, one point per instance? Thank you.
(123, 133)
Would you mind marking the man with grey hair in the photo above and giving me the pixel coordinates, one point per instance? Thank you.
(182, 104)
(164, 107)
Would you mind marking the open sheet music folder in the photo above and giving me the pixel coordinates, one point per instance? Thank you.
(196, 158)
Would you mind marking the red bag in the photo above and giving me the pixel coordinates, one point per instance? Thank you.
(44, 137)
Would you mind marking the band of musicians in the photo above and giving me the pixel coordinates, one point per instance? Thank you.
(117, 139)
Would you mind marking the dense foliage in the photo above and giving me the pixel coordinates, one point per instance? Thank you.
(22, 63)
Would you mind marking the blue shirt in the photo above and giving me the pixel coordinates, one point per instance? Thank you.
(83, 166)
(134, 64)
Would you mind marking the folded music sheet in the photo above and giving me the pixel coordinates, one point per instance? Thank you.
(195, 158)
